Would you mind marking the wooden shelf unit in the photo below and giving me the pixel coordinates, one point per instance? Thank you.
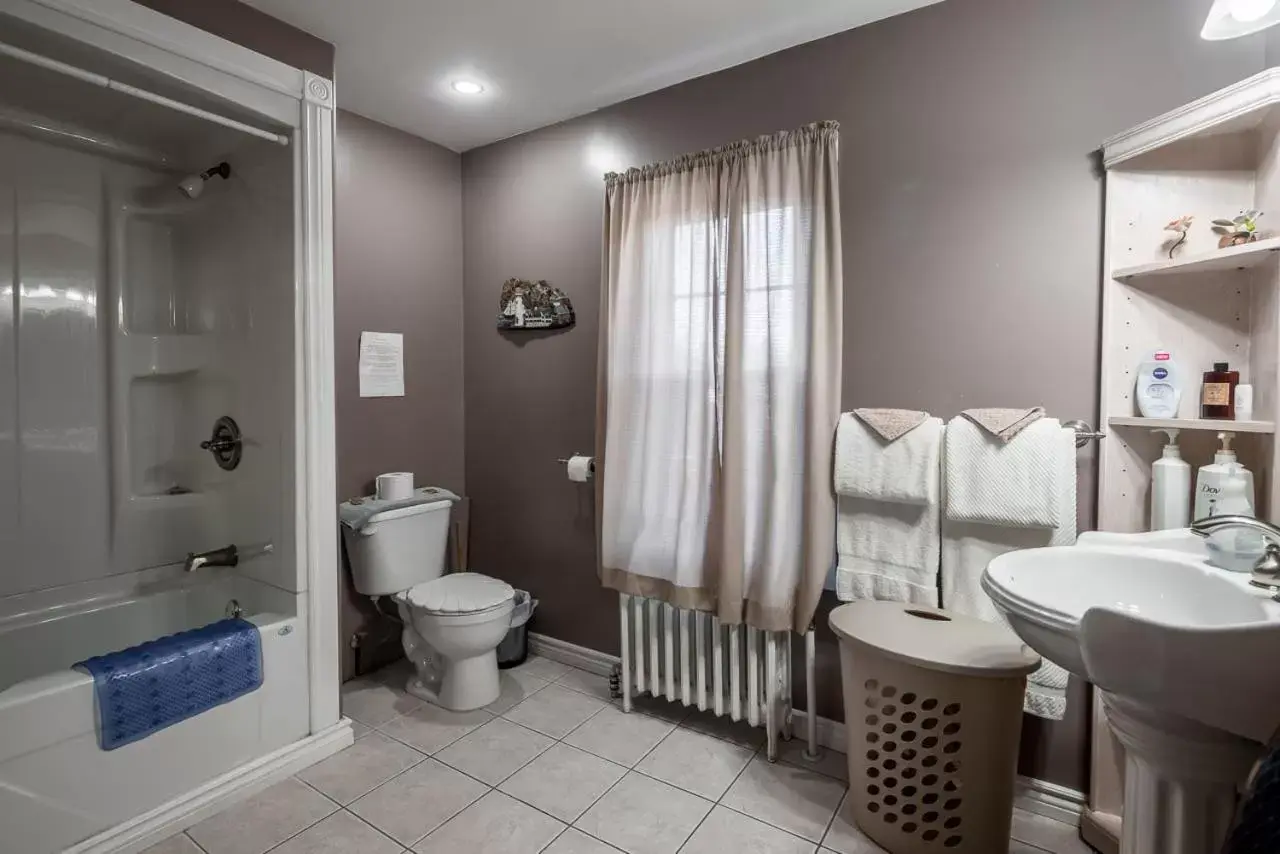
(1234, 258)
(1210, 159)
(1208, 424)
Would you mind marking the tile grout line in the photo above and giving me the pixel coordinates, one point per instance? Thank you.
(755, 752)
(681, 724)
(561, 740)
(611, 702)
(340, 808)
(494, 788)
(574, 824)
(487, 785)
(397, 775)
(832, 821)
(764, 821)
(717, 803)
(187, 831)
(375, 827)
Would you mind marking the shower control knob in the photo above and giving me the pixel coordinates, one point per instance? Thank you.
(225, 443)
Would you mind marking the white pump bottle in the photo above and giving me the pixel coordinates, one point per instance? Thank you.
(1170, 487)
(1212, 478)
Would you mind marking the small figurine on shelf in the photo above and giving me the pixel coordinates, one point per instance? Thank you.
(1180, 227)
(1239, 231)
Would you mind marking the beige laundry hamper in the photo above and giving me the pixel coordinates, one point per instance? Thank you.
(933, 713)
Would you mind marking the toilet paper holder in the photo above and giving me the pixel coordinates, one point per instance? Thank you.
(564, 461)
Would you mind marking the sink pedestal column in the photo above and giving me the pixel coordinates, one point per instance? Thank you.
(1181, 779)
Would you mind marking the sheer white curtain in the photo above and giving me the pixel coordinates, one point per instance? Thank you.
(720, 378)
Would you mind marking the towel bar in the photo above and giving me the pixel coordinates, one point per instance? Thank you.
(1084, 432)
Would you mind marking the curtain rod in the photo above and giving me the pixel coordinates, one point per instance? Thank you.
(105, 82)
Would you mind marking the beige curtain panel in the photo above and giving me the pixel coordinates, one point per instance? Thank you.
(720, 378)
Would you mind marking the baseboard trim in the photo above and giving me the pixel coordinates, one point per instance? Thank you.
(1050, 800)
(1035, 796)
(1101, 831)
(599, 663)
(831, 734)
(139, 833)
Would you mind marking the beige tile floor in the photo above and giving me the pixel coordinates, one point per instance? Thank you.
(554, 766)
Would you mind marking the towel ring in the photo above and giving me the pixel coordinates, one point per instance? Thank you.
(1084, 432)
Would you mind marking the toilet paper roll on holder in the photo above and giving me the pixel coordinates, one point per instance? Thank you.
(564, 461)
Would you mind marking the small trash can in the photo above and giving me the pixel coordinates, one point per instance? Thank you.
(514, 648)
(933, 713)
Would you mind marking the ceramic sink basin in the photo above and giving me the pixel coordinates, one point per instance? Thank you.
(1146, 618)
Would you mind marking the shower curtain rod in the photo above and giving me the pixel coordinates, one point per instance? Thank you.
(142, 94)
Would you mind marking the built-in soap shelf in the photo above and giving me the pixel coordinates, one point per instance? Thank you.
(1214, 425)
(169, 500)
(155, 355)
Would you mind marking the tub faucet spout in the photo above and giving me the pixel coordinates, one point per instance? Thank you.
(226, 556)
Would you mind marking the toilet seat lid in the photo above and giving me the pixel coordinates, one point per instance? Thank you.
(460, 593)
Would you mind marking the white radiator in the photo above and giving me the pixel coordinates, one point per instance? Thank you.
(691, 658)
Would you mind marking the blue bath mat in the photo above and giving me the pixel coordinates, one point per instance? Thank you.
(154, 685)
(1258, 828)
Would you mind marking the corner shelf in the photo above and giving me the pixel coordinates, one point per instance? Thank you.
(1216, 425)
(1233, 258)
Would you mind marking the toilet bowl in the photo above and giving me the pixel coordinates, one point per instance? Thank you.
(453, 622)
(453, 626)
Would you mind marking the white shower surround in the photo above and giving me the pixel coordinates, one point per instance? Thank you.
(304, 102)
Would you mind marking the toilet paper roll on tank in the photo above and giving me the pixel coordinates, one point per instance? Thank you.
(394, 486)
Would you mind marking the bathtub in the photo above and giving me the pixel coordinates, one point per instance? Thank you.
(57, 788)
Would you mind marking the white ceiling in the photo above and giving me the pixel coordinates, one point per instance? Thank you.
(544, 61)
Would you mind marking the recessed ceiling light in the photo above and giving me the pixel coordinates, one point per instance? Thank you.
(467, 87)
(1229, 19)
(1248, 11)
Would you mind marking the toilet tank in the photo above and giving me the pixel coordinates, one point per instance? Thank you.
(399, 548)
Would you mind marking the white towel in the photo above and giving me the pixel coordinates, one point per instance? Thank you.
(1009, 484)
(904, 471)
(888, 552)
(888, 538)
(967, 548)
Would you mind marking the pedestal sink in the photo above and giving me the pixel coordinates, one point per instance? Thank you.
(1187, 658)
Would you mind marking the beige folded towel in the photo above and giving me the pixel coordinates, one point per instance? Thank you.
(891, 423)
(1004, 424)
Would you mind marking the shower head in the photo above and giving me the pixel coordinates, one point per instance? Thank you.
(193, 185)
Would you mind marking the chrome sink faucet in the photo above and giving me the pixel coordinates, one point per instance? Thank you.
(226, 556)
(1266, 571)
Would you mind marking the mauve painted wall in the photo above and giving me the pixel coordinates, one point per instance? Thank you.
(972, 238)
(397, 268)
(253, 29)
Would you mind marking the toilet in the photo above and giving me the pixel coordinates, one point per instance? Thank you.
(453, 623)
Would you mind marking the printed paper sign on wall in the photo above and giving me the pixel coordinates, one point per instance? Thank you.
(381, 364)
